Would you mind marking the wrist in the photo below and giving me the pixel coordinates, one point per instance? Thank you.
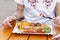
(19, 18)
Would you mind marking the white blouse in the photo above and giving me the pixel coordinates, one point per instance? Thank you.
(38, 10)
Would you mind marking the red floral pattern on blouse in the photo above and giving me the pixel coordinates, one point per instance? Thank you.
(33, 3)
(47, 2)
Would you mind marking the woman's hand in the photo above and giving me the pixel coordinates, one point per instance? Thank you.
(7, 21)
(57, 37)
(56, 21)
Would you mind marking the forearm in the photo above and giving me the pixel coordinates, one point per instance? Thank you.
(19, 11)
(58, 9)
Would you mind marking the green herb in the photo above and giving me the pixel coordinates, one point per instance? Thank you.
(47, 29)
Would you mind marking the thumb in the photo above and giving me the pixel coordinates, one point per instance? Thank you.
(56, 37)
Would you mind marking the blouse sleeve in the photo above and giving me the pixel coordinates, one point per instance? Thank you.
(58, 1)
(19, 2)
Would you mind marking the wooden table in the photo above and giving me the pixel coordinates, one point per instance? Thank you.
(6, 34)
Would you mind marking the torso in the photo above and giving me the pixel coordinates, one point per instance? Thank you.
(33, 9)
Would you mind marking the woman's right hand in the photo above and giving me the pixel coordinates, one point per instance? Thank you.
(7, 22)
(56, 21)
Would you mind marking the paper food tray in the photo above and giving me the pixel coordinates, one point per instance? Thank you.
(18, 31)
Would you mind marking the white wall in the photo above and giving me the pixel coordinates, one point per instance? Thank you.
(7, 8)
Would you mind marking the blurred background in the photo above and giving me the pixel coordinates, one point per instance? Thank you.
(7, 8)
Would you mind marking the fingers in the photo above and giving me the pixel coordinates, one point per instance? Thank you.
(6, 22)
(56, 25)
(57, 37)
(12, 18)
(56, 21)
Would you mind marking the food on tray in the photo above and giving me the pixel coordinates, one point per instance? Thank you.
(33, 27)
(20, 25)
(47, 29)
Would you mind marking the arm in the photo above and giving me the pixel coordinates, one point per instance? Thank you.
(57, 9)
(19, 11)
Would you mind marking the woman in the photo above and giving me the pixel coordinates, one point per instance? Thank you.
(42, 11)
